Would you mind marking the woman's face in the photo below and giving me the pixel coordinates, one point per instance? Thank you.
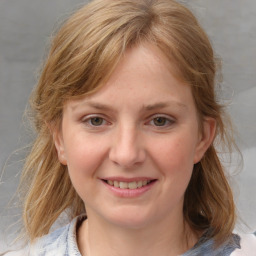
(130, 147)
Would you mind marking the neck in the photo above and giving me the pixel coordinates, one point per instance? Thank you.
(165, 238)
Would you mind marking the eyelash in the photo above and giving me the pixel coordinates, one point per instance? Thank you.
(88, 121)
(167, 121)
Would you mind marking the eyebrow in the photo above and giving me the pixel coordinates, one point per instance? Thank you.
(95, 105)
(149, 107)
(99, 106)
(164, 105)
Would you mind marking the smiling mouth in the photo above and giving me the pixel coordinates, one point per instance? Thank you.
(128, 185)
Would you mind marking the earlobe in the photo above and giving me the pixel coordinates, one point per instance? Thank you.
(59, 145)
(206, 138)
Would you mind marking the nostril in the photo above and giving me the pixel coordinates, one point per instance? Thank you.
(127, 158)
(127, 148)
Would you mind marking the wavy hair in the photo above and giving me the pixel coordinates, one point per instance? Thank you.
(83, 55)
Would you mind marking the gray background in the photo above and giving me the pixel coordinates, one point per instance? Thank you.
(25, 31)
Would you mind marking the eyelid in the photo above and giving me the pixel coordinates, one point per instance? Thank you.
(85, 119)
(169, 118)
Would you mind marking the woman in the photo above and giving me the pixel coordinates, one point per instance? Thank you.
(128, 128)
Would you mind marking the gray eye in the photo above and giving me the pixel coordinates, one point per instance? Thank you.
(160, 121)
(96, 121)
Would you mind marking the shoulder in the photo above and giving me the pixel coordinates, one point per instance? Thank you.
(22, 252)
(58, 243)
(49, 243)
(247, 246)
(45, 245)
(236, 245)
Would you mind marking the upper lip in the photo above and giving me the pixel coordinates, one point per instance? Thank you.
(124, 179)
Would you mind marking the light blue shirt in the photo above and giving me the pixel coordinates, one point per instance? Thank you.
(63, 242)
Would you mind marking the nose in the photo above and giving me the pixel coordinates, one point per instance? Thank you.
(127, 149)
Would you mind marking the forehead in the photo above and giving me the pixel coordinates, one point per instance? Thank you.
(143, 66)
(144, 77)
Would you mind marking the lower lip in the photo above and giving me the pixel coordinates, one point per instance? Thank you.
(129, 193)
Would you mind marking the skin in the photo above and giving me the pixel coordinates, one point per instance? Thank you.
(141, 124)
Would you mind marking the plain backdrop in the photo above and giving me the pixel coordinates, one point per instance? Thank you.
(26, 28)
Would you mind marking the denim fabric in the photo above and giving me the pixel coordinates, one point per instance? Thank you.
(206, 247)
(62, 242)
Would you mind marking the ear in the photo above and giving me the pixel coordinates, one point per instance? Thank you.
(59, 144)
(205, 138)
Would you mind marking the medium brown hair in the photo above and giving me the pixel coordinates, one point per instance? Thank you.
(84, 53)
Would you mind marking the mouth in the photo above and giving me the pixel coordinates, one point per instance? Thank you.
(129, 185)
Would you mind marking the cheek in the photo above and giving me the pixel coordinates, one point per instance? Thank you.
(83, 156)
(178, 151)
(174, 159)
(175, 162)
(83, 160)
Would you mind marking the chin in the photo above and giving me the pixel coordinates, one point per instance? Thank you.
(130, 219)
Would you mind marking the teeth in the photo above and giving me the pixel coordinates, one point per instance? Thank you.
(132, 185)
(123, 185)
(126, 185)
(110, 182)
(116, 184)
(139, 184)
